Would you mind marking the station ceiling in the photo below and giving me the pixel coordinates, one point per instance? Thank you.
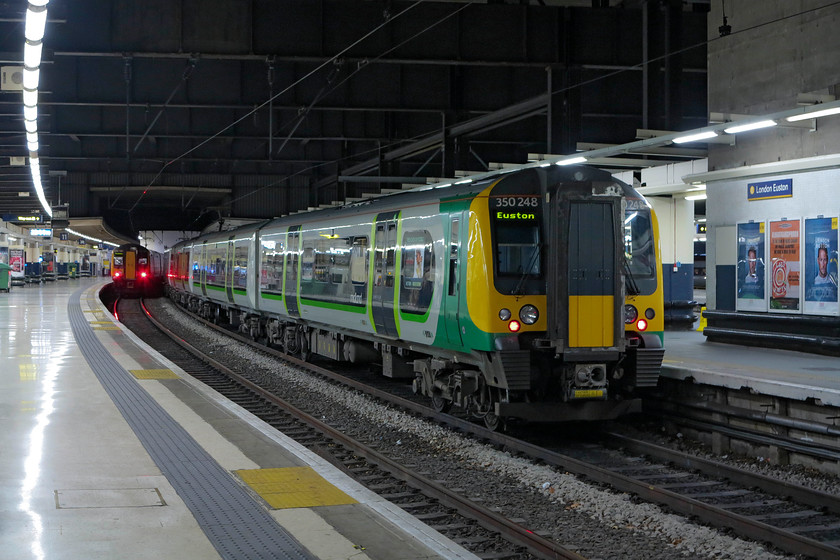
(162, 114)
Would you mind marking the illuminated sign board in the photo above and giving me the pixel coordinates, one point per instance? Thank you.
(515, 216)
(25, 218)
(770, 189)
(41, 232)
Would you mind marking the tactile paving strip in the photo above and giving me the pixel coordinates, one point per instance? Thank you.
(293, 487)
(153, 373)
(233, 521)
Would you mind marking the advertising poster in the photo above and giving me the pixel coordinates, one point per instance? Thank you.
(16, 261)
(820, 271)
(4, 255)
(785, 283)
(750, 276)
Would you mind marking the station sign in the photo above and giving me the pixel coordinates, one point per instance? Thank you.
(23, 218)
(41, 232)
(701, 228)
(64, 236)
(770, 189)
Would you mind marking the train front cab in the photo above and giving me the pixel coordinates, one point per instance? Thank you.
(559, 278)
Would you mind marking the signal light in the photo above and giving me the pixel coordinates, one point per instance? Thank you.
(514, 326)
(642, 325)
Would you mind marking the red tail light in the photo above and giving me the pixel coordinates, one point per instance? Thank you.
(116, 275)
(642, 325)
(142, 275)
(514, 326)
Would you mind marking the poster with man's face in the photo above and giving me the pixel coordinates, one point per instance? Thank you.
(750, 271)
(820, 273)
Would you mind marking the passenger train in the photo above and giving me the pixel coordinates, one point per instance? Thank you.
(532, 294)
(137, 271)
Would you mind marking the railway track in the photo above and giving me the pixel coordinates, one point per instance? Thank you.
(792, 518)
(473, 526)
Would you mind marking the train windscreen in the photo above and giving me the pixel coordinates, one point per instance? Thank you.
(639, 251)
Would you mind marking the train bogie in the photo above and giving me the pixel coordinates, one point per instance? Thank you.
(513, 296)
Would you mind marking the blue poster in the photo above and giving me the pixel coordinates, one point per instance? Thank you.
(820, 271)
(750, 273)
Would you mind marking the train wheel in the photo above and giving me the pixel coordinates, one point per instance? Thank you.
(441, 404)
(493, 422)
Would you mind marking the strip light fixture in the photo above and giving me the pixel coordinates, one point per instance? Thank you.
(89, 238)
(750, 126)
(34, 26)
(814, 114)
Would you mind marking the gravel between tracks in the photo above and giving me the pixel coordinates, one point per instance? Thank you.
(597, 522)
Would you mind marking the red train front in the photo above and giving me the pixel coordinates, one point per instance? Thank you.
(136, 271)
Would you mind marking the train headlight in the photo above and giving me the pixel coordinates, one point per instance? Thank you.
(630, 314)
(504, 314)
(529, 314)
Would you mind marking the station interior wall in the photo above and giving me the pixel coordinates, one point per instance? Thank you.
(676, 231)
(814, 194)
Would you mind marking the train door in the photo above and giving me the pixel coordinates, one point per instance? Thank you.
(229, 260)
(384, 273)
(290, 279)
(202, 268)
(130, 264)
(452, 297)
(592, 273)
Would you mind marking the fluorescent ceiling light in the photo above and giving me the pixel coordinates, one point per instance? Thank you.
(749, 126)
(696, 197)
(31, 126)
(572, 160)
(31, 77)
(39, 2)
(32, 146)
(31, 136)
(463, 181)
(695, 137)
(36, 21)
(32, 54)
(30, 113)
(814, 114)
(30, 97)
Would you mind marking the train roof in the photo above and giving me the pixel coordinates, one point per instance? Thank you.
(549, 175)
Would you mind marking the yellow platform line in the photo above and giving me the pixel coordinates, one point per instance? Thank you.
(114, 328)
(293, 487)
(153, 374)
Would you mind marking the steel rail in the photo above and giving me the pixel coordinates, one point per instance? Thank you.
(684, 505)
(511, 531)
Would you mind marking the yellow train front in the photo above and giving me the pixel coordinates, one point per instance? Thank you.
(136, 271)
(563, 294)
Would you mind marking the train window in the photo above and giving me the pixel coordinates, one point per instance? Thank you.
(358, 260)
(307, 262)
(417, 272)
(639, 250)
(271, 264)
(454, 242)
(518, 249)
(240, 266)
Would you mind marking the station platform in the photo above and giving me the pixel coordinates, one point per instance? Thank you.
(110, 451)
(798, 376)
